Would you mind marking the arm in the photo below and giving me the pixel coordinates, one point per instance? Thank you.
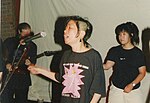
(95, 98)
(46, 73)
(31, 59)
(108, 64)
(142, 73)
(32, 53)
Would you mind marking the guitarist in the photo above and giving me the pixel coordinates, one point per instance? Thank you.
(20, 55)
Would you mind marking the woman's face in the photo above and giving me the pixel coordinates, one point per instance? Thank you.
(71, 35)
(124, 38)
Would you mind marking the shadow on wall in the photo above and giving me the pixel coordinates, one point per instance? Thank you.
(146, 46)
(146, 49)
(54, 66)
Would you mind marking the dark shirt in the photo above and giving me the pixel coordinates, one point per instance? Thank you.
(82, 75)
(127, 64)
(17, 56)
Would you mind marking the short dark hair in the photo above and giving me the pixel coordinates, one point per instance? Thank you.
(88, 29)
(23, 25)
(131, 29)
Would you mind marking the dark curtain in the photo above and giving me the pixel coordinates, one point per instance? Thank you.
(17, 7)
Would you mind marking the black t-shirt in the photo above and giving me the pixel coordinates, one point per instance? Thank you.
(82, 75)
(127, 63)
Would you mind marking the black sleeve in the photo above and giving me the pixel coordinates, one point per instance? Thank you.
(32, 52)
(8, 45)
(98, 84)
(111, 55)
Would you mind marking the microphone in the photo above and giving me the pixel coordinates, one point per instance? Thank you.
(47, 53)
(36, 36)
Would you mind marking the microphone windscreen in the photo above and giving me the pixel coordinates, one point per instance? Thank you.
(43, 34)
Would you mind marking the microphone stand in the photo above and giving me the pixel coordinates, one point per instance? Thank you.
(47, 53)
(14, 67)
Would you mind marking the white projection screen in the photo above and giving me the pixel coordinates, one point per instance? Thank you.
(105, 15)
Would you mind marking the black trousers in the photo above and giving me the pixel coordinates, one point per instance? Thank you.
(15, 95)
(56, 92)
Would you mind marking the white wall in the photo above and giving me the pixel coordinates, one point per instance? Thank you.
(105, 15)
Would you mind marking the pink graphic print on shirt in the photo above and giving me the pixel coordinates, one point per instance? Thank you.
(72, 80)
